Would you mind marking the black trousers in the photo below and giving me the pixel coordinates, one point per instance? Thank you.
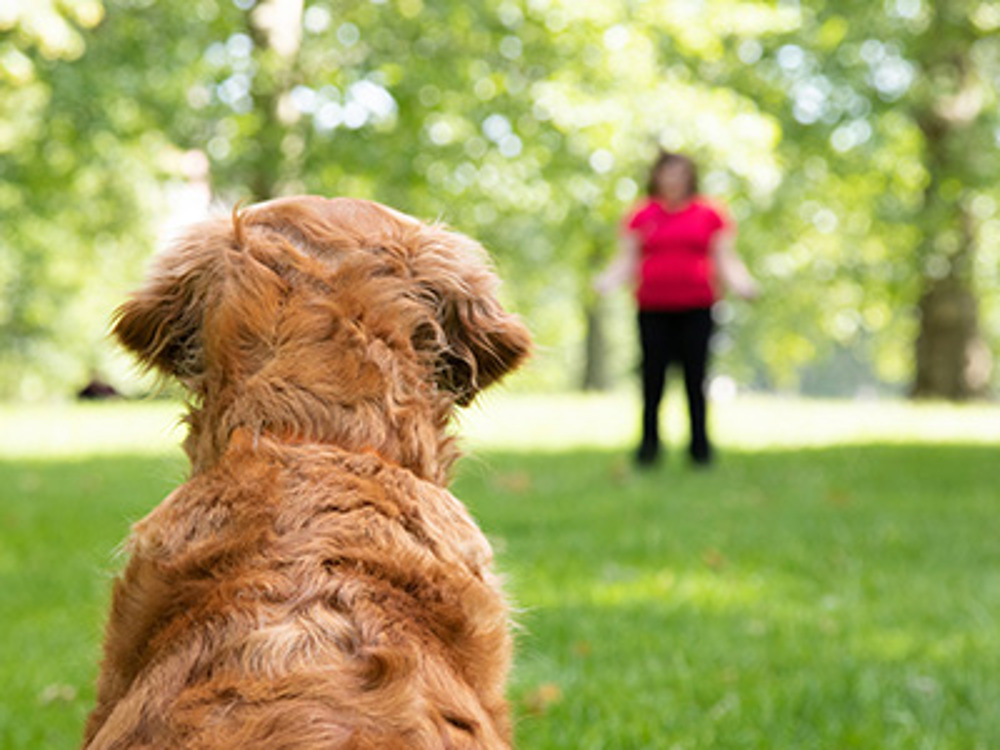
(674, 337)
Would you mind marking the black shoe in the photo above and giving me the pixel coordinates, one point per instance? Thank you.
(701, 456)
(647, 455)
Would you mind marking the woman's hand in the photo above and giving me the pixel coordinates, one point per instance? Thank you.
(624, 267)
(733, 274)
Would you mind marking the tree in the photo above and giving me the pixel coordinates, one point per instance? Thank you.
(896, 104)
(843, 139)
(62, 169)
(956, 117)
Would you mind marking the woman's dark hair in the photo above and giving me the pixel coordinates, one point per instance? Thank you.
(666, 159)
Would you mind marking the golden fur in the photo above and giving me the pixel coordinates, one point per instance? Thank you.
(313, 584)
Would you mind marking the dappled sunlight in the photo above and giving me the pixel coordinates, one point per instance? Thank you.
(547, 422)
(909, 643)
(773, 422)
(889, 644)
(67, 430)
(706, 590)
(840, 591)
(744, 422)
(761, 608)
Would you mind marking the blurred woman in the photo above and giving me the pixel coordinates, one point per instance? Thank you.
(679, 252)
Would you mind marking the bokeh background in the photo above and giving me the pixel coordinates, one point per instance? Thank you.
(856, 144)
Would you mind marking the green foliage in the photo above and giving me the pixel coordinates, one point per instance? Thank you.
(526, 123)
(78, 181)
(891, 119)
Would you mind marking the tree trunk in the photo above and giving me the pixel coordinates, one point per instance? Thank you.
(596, 370)
(276, 28)
(953, 362)
(596, 375)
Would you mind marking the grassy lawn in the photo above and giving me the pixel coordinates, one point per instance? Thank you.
(834, 582)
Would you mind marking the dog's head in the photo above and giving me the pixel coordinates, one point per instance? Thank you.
(346, 299)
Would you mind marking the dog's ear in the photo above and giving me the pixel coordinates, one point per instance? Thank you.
(482, 341)
(161, 323)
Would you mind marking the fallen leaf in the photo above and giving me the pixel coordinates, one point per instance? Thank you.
(517, 482)
(714, 559)
(57, 693)
(542, 698)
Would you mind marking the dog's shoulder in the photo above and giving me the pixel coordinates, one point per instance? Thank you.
(364, 493)
(271, 494)
(208, 506)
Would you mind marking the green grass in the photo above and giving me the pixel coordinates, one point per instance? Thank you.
(62, 520)
(845, 594)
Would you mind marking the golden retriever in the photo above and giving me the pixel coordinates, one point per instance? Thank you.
(313, 584)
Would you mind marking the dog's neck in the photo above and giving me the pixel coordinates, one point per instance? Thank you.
(410, 432)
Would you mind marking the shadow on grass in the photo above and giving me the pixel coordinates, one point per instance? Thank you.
(837, 597)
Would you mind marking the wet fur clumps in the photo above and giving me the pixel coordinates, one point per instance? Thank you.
(313, 584)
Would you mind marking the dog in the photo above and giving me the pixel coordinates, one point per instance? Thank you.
(313, 584)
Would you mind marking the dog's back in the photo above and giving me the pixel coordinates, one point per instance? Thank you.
(300, 596)
(313, 584)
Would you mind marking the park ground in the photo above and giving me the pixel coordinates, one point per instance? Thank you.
(832, 582)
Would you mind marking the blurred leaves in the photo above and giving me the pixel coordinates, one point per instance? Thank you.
(528, 124)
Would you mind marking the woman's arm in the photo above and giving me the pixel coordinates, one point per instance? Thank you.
(729, 266)
(624, 267)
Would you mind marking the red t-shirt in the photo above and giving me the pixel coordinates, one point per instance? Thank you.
(676, 270)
